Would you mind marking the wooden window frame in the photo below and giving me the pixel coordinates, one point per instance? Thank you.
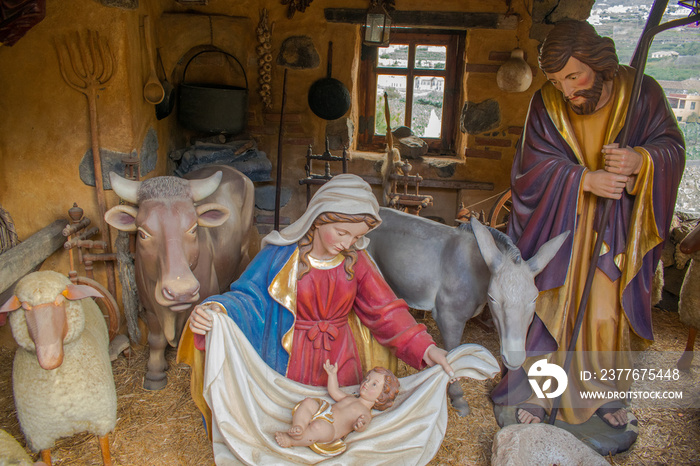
(453, 73)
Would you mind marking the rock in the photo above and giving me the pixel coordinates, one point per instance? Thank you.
(445, 170)
(402, 132)
(111, 162)
(339, 133)
(479, 117)
(595, 433)
(265, 197)
(114, 161)
(528, 444)
(298, 53)
(411, 147)
(121, 4)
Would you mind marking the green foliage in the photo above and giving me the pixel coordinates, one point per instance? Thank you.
(689, 48)
(691, 132)
(397, 105)
(433, 99)
(667, 70)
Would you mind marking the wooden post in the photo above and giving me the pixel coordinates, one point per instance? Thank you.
(23, 258)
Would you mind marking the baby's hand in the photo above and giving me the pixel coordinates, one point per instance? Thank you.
(330, 368)
(360, 423)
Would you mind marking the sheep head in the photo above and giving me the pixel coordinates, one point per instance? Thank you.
(45, 315)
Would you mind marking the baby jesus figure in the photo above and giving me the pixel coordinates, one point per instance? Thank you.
(321, 426)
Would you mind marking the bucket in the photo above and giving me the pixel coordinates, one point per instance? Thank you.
(212, 108)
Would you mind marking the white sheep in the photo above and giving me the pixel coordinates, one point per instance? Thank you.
(62, 376)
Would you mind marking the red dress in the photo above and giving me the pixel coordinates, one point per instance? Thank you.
(325, 298)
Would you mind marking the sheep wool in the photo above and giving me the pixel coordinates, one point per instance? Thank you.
(77, 396)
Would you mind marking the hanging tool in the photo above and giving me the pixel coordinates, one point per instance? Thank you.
(88, 72)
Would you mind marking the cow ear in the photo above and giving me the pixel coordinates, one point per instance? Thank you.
(212, 215)
(122, 217)
(12, 304)
(73, 292)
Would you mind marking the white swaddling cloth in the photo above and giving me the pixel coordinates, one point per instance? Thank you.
(250, 402)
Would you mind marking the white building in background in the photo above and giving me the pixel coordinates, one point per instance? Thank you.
(664, 54)
(397, 82)
(426, 83)
(684, 106)
(684, 98)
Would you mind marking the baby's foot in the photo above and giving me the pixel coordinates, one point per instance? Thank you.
(295, 432)
(283, 439)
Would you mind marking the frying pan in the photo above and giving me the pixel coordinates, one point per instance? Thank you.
(328, 97)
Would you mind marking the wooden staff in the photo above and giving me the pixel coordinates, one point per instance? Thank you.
(278, 181)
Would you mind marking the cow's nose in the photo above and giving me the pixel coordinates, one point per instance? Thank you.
(172, 294)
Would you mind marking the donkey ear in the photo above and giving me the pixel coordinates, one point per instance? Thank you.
(546, 253)
(12, 304)
(73, 292)
(487, 246)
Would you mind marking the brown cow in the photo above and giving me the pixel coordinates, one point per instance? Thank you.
(177, 262)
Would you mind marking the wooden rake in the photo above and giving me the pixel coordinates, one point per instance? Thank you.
(89, 70)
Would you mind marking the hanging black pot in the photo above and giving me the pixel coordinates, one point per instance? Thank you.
(329, 98)
(213, 108)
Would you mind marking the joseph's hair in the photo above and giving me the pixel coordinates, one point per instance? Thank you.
(580, 40)
(391, 389)
(305, 244)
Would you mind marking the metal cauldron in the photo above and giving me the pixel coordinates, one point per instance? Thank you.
(212, 108)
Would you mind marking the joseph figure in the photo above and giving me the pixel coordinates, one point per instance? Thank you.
(568, 162)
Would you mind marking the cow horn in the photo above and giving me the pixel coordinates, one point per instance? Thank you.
(125, 189)
(203, 188)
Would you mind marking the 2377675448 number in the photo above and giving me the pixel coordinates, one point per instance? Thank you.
(632, 374)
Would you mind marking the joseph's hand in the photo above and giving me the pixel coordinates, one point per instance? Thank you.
(625, 161)
(604, 184)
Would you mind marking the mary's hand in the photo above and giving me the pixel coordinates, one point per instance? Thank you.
(200, 320)
(434, 355)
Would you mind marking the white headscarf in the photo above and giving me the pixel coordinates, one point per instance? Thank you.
(343, 194)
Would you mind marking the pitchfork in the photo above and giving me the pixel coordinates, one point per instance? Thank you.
(89, 72)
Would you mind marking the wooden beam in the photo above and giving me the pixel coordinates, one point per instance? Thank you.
(441, 184)
(432, 19)
(17, 262)
(481, 68)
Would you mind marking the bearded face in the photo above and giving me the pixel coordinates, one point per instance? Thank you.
(579, 84)
(590, 96)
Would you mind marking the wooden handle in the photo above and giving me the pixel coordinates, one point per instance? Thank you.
(387, 117)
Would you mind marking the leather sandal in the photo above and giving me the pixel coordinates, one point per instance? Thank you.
(610, 408)
(535, 410)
